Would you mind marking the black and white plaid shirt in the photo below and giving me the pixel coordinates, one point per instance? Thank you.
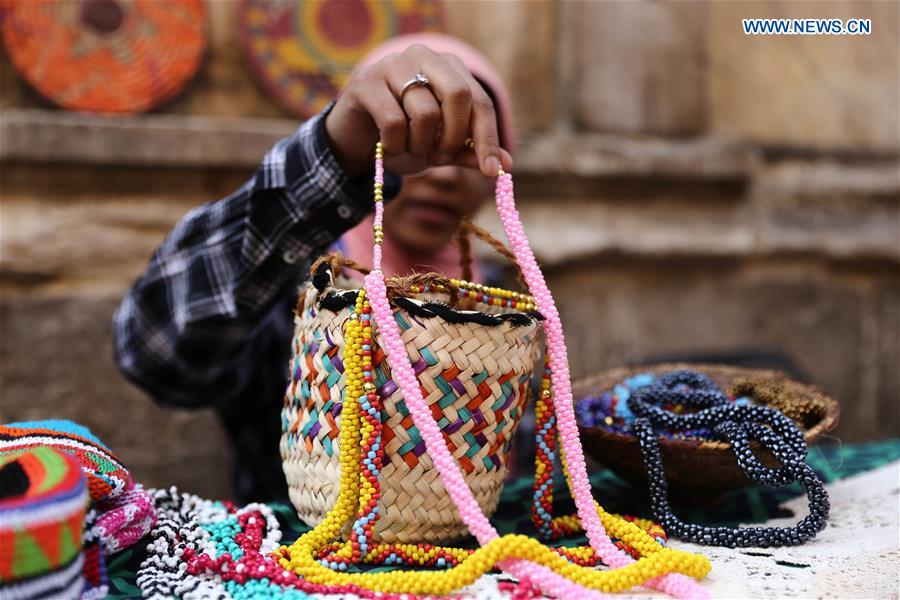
(209, 322)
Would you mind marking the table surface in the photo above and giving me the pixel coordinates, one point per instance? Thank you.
(867, 501)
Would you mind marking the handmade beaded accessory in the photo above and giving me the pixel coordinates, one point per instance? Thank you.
(522, 557)
(120, 512)
(205, 549)
(738, 425)
(545, 459)
(43, 499)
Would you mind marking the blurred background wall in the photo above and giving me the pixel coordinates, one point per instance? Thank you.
(692, 192)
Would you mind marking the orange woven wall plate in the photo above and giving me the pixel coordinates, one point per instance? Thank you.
(105, 56)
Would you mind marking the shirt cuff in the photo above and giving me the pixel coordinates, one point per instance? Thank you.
(304, 166)
(358, 189)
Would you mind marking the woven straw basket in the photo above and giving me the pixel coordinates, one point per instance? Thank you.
(474, 367)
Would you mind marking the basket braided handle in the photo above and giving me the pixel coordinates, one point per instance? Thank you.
(448, 471)
(466, 229)
(463, 239)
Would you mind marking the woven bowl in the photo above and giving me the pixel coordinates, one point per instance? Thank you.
(691, 465)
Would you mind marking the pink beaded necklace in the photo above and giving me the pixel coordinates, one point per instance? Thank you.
(551, 583)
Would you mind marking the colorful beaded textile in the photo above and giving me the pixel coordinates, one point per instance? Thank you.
(525, 558)
(107, 477)
(738, 425)
(43, 499)
(205, 549)
(120, 512)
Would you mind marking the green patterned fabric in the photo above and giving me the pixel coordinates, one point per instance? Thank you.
(747, 506)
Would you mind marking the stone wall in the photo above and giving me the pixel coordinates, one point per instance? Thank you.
(692, 192)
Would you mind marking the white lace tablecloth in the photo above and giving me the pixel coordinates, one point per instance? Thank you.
(857, 556)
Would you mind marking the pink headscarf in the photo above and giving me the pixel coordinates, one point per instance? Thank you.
(358, 241)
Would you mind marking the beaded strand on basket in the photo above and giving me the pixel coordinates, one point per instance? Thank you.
(359, 548)
(448, 471)
(572, 455)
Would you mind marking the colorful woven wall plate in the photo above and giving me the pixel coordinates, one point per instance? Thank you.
(302, 51)
(105, 56)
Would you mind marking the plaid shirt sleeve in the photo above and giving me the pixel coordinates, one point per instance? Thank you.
(209, 289)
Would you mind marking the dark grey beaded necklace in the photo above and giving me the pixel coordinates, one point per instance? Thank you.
(737, 425)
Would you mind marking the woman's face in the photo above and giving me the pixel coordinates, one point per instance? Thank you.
(426, 213)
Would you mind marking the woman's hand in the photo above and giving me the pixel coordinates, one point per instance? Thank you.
(428, 129)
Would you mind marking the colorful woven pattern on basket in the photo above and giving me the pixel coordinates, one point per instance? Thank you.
(108, 56)
(505, 409)
(43, 499)
(120, 512)
(324, 373)
(474, 377)
(497, 410)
